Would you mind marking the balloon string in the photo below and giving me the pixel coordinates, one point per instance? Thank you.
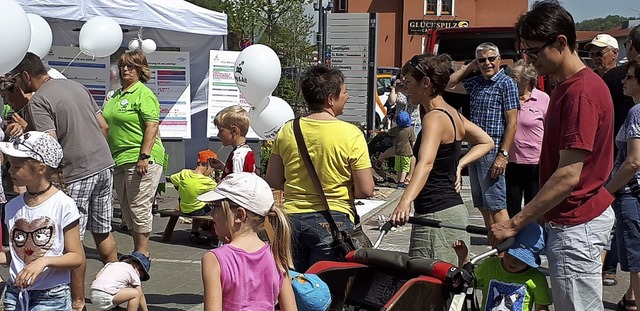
(69, 64)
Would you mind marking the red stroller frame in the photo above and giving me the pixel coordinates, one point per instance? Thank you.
(373, 279)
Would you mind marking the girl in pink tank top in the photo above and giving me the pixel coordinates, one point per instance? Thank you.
(247, 273)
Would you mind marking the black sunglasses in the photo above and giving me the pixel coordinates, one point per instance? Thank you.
(415, 62)
(484, 59)
(535, 51)
(598, 54)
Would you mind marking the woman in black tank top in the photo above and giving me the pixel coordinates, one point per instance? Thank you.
(435, 185)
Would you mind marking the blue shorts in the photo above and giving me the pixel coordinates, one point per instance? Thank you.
(627, 209)
(57, 298)
(206, 210)
(488, 193)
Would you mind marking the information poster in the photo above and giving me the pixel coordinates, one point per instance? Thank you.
(92, 73)
(223, 91)
(170, 81)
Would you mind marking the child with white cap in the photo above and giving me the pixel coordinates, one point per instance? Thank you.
(43, 226)
(247, 273)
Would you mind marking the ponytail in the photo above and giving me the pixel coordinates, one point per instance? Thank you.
(58, 179)
(281, 239)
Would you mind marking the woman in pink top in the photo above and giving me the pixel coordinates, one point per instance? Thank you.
(521, 176)
(247, 273)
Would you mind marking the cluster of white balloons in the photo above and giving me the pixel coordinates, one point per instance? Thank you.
(147, 46)
(257, 73)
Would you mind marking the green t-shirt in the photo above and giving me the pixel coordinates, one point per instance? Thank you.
(190, 186)
(515, 291)
(126, 113)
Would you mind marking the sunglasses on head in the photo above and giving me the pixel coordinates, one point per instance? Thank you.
(484, 59)
(415, 62)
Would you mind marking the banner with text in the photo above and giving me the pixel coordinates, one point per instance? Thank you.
(223, 91)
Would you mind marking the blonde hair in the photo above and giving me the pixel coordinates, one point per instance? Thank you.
(280, 246)
(233, 116)
(138, 60)
(53, 175)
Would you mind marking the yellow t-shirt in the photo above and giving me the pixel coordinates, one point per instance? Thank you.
(190, 186)
(336, 148)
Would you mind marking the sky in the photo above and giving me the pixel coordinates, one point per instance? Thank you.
(588, 9)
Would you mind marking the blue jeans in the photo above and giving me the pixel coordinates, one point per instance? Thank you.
(487, 192)
(312, 239)
(575, 266)
(627, 229)
(57, 298)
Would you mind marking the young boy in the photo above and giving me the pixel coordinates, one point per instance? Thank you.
(512, 282)
(404, 138)
(192, 183)
(119, 282)
(233, 124)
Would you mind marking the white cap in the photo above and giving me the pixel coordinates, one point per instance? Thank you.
(39, 146)
(602, 40)
(245, 189)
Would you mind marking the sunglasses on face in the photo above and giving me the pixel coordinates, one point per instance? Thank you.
(598, 54)
(534, 52)
(415, 62)
(484, 59)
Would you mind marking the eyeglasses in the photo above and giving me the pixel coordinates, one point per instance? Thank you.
(129, 66)
(484, 59)
(40, 237)
(534, 52)
(598, 54)
(415, 62)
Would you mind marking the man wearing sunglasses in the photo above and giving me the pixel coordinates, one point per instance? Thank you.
(603, 50)
(494, 107)
(575, 162)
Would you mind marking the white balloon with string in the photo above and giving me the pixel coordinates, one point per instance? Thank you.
(100, 36)
(148, 46)
(268, 120)
(15, 36)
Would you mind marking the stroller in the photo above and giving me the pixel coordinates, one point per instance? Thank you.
(374, 279)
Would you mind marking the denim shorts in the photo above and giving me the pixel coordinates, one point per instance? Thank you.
(627, 209)
(57, 298)
(312, 239)
(488, 193)
(206, 210)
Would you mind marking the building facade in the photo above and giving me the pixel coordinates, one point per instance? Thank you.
(403, 25)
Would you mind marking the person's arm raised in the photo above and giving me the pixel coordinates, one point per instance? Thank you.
(455, 80)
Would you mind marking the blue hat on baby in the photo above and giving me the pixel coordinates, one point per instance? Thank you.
(403, 119)
(312, 293)
(529, 242)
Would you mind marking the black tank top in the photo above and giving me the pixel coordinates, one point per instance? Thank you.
(439, 191)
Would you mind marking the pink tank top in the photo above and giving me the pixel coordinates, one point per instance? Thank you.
(250, 281)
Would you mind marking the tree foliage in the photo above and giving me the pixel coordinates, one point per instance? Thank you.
(601, 24)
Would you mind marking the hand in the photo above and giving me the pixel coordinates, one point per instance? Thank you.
(13, 130)
(501, 231)
(475, 66)
(30, 272)
(400, 214)
(16, 118)
(458, 183)
(461, 249)
(142, 167)
(499, 165)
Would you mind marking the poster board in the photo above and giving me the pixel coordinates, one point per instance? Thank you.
(223, 91)
(170, 81)
(92, 73)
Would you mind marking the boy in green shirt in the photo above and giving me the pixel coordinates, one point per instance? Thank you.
(192, 183)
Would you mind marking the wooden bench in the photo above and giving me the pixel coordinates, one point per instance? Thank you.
(173, 220)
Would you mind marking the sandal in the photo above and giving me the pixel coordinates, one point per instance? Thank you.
(624, 304)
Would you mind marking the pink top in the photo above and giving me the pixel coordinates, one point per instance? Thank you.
(250, 281)
(528, 140)
(115, 276)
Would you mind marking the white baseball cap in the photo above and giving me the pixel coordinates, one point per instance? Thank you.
(39, 146)
(602, 40)
(244, 189)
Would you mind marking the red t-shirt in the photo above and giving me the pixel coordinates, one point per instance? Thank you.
(580, 116)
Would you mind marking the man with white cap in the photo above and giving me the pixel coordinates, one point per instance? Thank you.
(603, 50)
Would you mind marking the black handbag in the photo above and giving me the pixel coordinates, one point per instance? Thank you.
(347, 240)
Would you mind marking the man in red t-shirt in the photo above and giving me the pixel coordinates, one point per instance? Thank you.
(576, 160)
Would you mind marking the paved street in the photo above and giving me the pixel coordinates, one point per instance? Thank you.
(175, 282)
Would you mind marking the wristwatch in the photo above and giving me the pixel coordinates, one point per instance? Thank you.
(144, 156)
(504, 153)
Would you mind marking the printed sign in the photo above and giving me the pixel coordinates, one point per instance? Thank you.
(422, 27)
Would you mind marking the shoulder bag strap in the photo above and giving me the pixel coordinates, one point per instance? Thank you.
(304, 154)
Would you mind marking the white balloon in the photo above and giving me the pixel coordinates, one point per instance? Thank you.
(266, 122)
(100, 36)
(134, 44)
(148, 46)
(15, 36)
(257, 72)
(41, 35)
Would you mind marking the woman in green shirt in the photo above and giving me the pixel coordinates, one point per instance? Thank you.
(133, 114)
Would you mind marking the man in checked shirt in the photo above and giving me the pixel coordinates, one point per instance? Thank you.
(494, 107)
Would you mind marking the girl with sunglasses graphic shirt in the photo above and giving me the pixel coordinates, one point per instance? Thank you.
(43, 227)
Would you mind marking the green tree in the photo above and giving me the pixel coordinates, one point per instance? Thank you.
(601, 24)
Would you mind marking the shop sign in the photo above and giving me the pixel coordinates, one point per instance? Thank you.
(421, 26)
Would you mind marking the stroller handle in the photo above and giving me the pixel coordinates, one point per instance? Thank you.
(439, 224)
